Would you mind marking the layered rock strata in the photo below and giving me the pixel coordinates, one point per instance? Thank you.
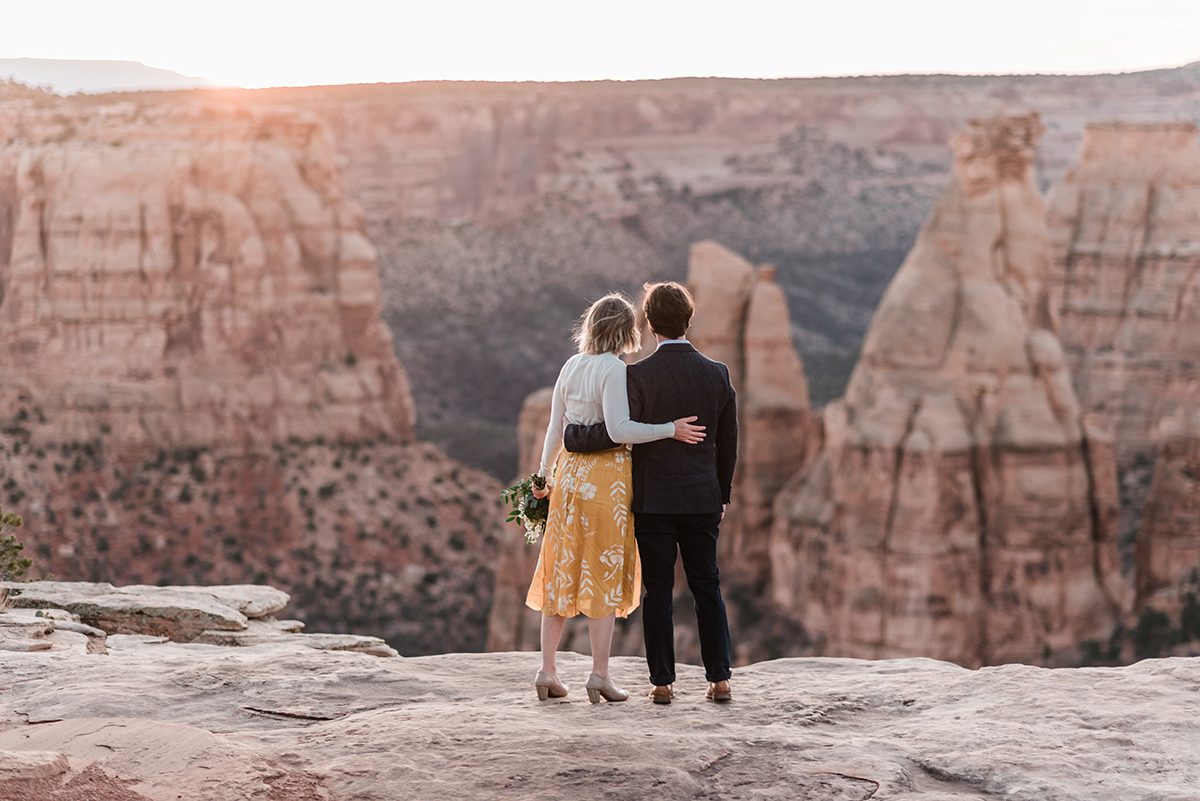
(188, 276)
(961, 507)
(1126, 276)
(198, 385)
(1168, 543)
(52, 615)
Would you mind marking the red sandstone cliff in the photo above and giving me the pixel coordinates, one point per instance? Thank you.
(198, 387)
(1126, 277)
(1168, 543)
(960, 508)
(512, 205)
(188, 277)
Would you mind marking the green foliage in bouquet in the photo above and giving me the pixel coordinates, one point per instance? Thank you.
(525, 509)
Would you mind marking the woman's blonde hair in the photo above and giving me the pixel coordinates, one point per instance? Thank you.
(609, 326)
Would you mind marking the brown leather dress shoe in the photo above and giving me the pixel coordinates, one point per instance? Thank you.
(719, 691)
(662, 695)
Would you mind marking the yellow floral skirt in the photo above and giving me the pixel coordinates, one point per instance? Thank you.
(589, 563)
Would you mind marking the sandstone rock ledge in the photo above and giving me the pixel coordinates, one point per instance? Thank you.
(162, 720)
(62, 615)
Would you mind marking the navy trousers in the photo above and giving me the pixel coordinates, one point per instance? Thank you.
(694, 537)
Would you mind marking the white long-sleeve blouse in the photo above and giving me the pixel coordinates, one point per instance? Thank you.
(591, 388)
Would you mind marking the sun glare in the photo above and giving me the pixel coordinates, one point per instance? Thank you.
(267, 42)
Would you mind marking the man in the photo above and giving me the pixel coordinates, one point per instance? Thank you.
(680, 491)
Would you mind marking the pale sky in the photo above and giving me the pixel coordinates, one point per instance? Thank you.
(301, 42)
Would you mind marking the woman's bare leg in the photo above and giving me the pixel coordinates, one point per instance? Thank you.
(552, 631)
(600, 632)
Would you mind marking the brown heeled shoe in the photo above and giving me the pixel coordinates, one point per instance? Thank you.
(719, 691)
(662, 695)
(549, 686)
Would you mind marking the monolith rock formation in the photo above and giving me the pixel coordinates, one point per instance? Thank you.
(742, 320)
(1125, 232)
(961, 506)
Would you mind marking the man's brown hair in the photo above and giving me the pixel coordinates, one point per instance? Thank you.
(669, 308)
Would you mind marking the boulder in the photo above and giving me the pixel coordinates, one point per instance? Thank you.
(252, 600)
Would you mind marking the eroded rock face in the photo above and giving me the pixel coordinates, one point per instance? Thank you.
(198, 385)
(187, 276)
(1126, 277)
(1168, 544)
(960, 508)
(778, 431)
(720, 282)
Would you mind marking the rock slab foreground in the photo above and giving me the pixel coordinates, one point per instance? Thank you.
(152, 719)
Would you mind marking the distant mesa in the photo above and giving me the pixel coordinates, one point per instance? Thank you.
(67, 76)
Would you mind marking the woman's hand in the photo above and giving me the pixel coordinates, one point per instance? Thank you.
(544, 492)
(687, 431)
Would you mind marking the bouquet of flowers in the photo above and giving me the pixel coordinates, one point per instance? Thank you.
(525, 509)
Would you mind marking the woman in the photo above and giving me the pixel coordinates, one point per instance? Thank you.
(588, 563)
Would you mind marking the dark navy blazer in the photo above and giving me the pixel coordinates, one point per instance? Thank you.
(670, 477)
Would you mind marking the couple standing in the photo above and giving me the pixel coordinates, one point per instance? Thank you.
(608, 504)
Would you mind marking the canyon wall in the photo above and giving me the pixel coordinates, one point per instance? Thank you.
(1124, 226)
(507, 207)
(198, 386)
(1168, 543)
(961, 506)
(184, 278)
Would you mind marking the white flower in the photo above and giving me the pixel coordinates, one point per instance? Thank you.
(613, 557)
(588, 491)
